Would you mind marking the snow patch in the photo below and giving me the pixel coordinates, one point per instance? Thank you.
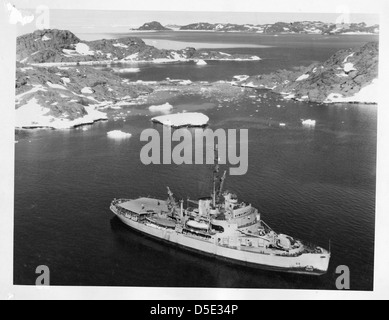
(66, 81)
(87, 90)
(303, 77)
(120, 45)
(348, 67)
(83, 49)
(132, 57)
(348, 57)
(46, 38)
(241, 77)
(368, 95)
(31, 114)
(55, 86)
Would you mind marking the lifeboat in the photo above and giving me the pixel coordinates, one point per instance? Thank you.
(198, 225)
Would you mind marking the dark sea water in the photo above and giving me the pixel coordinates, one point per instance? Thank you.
(315, 184)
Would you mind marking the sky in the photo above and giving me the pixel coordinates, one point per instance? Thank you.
(355, 6)
(118, 16)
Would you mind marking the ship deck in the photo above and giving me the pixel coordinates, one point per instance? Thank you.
(145, 206)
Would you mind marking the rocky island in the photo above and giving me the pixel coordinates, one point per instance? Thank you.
(58, 47)
(153, 26)
(348, 76)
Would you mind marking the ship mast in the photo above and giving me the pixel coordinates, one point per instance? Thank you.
(215, 175)
(222, 181)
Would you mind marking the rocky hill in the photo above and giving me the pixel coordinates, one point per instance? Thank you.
(348, 76)
(304, 27)
(153, 26)
(68, 97)
(59, 46)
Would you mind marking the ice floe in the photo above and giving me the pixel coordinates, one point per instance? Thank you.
(117, 134)
(183, 120)
(162, 108)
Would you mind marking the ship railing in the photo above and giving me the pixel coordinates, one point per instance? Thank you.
(248, 225)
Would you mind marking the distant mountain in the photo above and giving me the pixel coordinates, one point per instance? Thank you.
(348, 76)
(153, 26)
(304, 27)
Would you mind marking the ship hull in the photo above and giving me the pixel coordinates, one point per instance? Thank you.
(307, 264)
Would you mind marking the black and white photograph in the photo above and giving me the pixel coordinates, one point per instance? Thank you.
(194, 146)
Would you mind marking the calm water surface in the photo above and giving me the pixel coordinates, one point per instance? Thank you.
(315, 184)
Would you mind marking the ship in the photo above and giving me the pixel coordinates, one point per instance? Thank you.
(223, 227)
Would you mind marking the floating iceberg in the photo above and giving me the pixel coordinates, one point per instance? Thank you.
(183, 120)
(162, 108)
(309, 123)
(201, 63)
(117, 134)
(126, 70)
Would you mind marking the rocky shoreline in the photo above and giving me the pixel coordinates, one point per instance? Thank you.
(67, 97)
(60, 89)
